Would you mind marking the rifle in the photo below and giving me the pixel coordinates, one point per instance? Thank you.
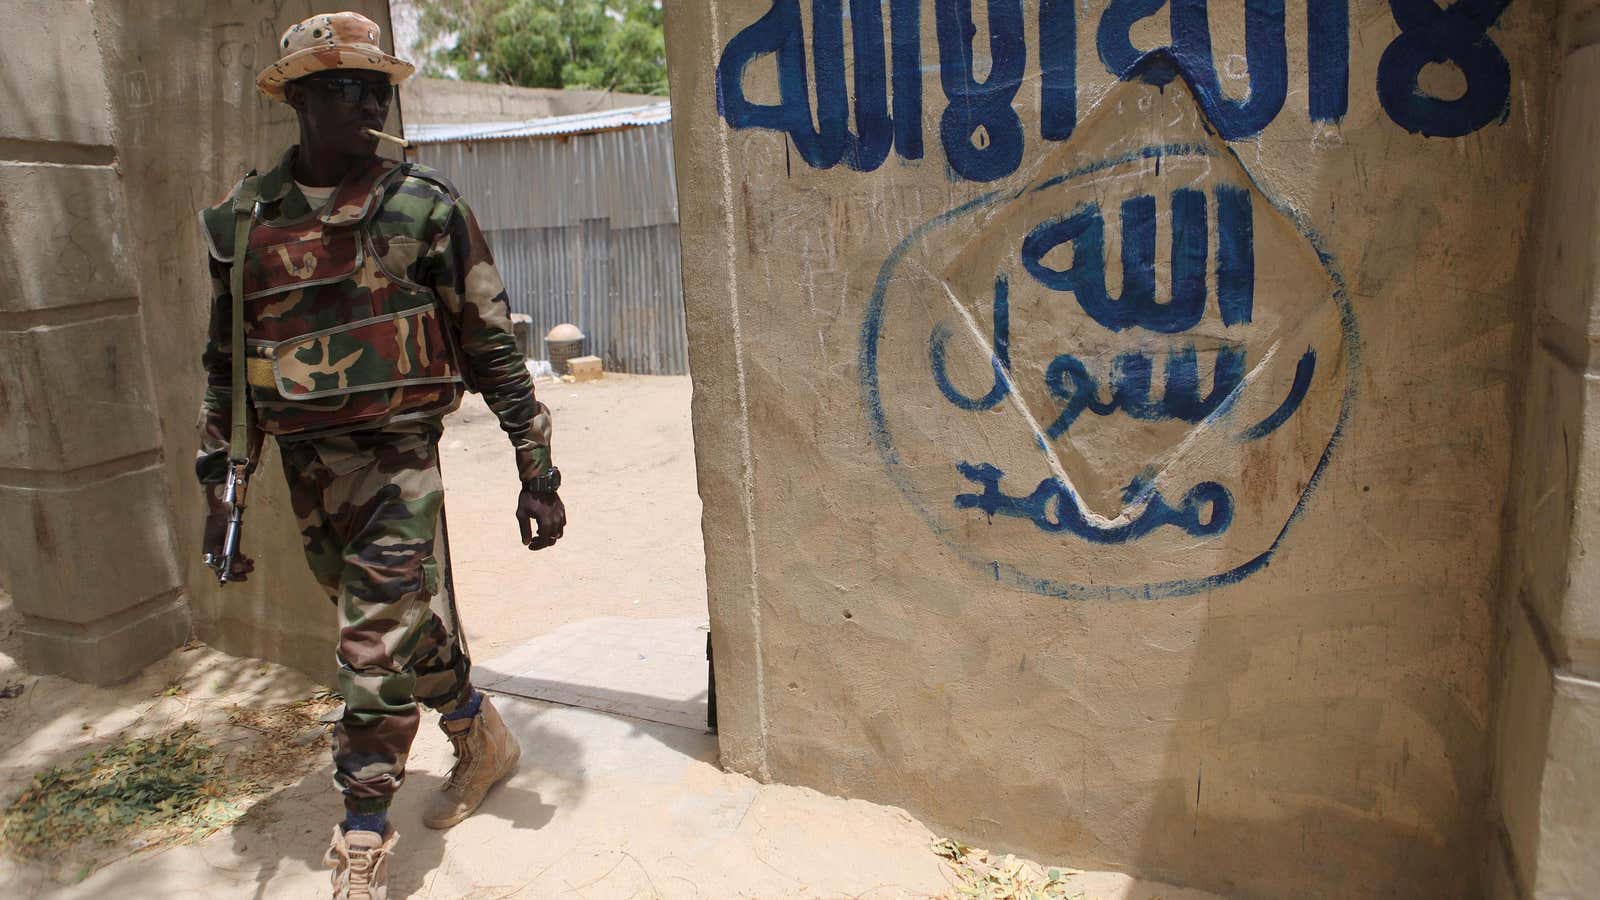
(246, 207)
(234, 497)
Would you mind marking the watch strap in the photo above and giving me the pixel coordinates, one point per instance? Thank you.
(548, 483)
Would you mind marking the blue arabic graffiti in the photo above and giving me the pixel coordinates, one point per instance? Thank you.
(1458, 35)
(980, 129)
(1206, 509)
(830, 141)
(1053, 505)
(1085, 279)
(1068, 378)
(1070, 382)
(1265, 51)
(1000, 359)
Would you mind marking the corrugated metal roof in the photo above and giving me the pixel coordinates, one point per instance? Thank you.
(555, 126)
(584, 229)
(624, 174)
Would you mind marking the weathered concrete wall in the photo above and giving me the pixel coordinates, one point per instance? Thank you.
(86, 543)
(1547, 791)
(119, 120)
(188, 123)
(1177, 549)
(439, 101)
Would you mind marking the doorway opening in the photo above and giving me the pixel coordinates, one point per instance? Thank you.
(613, 617)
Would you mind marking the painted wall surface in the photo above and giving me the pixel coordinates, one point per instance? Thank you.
(1103, 413)
(189, 123)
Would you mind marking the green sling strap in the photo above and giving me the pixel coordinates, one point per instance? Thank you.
(244, 211)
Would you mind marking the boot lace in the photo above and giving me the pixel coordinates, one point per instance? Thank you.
(358, 877)
(463, 764)
(354, 878)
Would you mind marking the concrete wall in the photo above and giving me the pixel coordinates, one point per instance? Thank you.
(1547, 797)
(119, 119)
(87, 548)
(985, 539)
(440, 101)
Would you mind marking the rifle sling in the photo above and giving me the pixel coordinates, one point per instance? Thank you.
(244, 205)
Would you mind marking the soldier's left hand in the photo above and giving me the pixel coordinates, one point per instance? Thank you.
(545, 509)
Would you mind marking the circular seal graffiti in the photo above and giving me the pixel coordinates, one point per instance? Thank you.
(1122, 382)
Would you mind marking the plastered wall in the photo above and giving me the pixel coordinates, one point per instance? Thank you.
(189, 122)
(1104, 417)
(1546, 807)
(87, 550)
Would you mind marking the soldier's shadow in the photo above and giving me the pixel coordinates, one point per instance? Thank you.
(296, 823)
(518, 807)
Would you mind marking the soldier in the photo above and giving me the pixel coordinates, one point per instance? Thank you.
(369, 299)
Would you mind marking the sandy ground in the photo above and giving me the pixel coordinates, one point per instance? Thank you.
(632, 547)
(603, 807)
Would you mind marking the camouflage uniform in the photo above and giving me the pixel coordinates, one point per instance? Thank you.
(360, 316)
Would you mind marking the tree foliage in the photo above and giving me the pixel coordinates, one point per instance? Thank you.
(605, 44)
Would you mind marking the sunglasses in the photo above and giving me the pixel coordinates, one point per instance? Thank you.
(351, 91)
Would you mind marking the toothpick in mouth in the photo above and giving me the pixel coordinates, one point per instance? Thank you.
(404, 144)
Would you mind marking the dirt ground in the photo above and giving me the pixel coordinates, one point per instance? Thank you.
(603, 806)
(632, 546)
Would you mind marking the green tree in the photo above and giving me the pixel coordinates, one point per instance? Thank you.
(605, 44)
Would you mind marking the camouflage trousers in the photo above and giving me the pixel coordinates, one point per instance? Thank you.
(369, 507)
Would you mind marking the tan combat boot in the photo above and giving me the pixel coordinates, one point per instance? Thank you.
(360, 863)
(486, 754)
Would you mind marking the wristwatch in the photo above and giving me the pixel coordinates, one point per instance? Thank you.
(548, 483)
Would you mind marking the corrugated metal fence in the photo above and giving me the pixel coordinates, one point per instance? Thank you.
(584, 229)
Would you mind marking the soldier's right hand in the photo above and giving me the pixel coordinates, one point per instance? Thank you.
(216, 533)
(544, 509)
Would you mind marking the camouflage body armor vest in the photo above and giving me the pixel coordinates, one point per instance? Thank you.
(335, 341)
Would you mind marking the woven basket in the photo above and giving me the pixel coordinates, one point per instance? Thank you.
(563, 352)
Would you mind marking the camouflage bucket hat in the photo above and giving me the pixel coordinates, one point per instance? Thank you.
(341, 40)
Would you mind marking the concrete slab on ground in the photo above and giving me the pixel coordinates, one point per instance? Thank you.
(651, 669)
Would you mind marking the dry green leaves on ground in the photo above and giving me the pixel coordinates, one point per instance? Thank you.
(1008, 878)
(169, 784)
(169, 788)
